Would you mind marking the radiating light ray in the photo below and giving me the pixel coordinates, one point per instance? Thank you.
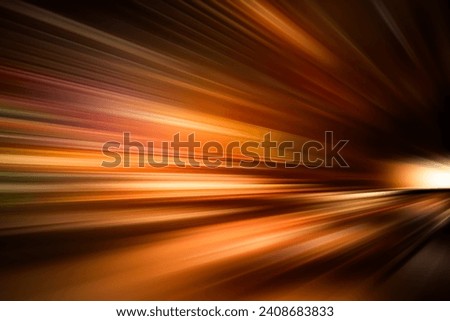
(73, 77)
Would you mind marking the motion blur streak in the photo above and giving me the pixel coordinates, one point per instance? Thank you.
(72, 77)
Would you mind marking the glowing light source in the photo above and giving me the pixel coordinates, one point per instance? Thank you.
(427, 176)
